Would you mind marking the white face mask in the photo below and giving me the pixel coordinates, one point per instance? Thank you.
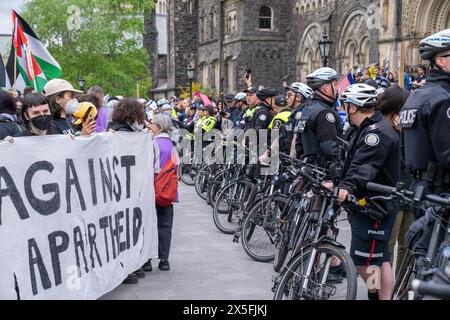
(72, 106)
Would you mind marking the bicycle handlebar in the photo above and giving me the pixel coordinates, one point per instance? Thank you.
(378, 188)
(440, 291)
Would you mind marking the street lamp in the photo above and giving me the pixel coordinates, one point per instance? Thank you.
(82, 83)
(190, 74)
(324, 46)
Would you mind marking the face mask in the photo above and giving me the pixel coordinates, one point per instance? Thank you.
(42, 122)
(72, 106)
(137, 127)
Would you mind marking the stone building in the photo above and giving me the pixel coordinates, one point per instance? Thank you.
(278, 39)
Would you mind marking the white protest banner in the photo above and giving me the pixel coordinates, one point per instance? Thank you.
(76, 215)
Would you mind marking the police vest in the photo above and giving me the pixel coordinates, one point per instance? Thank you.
(208, 123)
(248, 117)
(262, 114)
(306, 125)
(281, 118)
(419, 152)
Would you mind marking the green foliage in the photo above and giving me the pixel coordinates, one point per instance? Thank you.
(100, 40)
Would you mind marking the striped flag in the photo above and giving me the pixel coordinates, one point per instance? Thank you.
(35, 64)
(387, 61)
(4, 79)
(346, 81)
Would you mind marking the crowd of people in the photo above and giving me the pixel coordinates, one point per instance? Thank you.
(393, 134)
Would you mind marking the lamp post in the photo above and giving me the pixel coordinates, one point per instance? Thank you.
(82, 83)
(324, 46)
(190, 75)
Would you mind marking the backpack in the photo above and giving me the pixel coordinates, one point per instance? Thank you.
(166, 184)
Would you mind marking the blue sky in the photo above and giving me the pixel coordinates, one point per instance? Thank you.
(6, 23)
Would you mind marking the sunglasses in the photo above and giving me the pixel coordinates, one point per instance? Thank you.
(446, 56)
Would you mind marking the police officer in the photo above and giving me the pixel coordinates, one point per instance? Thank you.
(297, 95)
(374, 156)
(319, 124)
(252, 101)
(425, 119)
(206, 122)
(280, 121)
(263, 113)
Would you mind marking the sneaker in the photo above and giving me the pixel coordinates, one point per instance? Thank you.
(131, 279)
(140, 273)
(338, 271)
(334, 279)
(164, 265)
(147, 267)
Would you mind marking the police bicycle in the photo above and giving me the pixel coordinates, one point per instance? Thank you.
(306, 275)
(428, 243)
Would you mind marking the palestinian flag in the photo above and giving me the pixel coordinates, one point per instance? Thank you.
(35, 63)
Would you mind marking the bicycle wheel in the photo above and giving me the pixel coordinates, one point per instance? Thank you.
(187, 173)
(214, 186)
(296, 284)
(260, 229)
(406, 274)
(231, 201)
(201, 181)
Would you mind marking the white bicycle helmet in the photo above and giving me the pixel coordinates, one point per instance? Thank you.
(302, 89)
(240, 96)
(434, 44)
(163, 102)
(321, 76)
(361, 95)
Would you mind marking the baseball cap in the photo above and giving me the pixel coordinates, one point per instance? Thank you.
(251, 90)
(56, 86)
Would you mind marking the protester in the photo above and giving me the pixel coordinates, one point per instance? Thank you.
(36, 115)
(128, 116)
(390, 104)
(9, 125)
(164, 151)
(421, 78)
(96, 96)
(63, 104)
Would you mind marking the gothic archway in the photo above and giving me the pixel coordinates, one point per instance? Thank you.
(354, 44)
(308, 55)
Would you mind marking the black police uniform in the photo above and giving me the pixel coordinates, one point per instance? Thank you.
(425, 120)
(319, 127)
(374, 156)
(292, 129)
(262, 117)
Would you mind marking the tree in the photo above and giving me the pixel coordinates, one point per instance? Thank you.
(100, 40)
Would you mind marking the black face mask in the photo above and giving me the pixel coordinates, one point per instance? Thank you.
(42, 122)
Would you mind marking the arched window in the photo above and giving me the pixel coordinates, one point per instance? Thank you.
(265, 18)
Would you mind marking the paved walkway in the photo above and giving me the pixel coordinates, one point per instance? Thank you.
(206, 264)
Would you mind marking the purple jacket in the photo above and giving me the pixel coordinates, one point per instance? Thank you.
(164, 149)
(102, 120)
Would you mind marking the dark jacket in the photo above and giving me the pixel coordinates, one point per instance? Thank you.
(319, 127)
(8, 127)
(62, 126)
(119, 127)
(374, 156)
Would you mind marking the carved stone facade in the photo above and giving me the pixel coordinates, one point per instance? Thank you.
(278, 39)
(407, 22)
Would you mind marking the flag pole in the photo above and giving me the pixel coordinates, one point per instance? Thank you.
(15, 52)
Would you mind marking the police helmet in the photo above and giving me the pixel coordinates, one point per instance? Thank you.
(434, 44)
(361, 95)
(163, 102)
(302, 89)
(267, 93)
(320, 77)
(240, 96)
(281, 101)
